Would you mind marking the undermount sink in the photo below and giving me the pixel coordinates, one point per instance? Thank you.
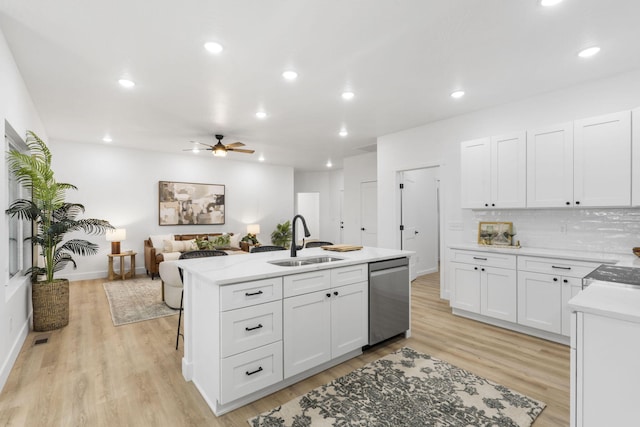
(304, 261)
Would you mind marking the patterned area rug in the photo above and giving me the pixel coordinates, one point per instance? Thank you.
(406, 388)
(136, 300)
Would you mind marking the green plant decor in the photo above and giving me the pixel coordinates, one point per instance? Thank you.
(52, 216)
(281, 236)
(251, 239)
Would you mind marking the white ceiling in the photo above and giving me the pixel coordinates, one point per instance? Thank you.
(402, 58)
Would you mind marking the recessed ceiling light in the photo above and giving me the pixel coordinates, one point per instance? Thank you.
(126, 83)
(549, 3)
(457, 94)
(343, 133)
(261, 114)
(107, 138)
(213, 47)
(290, 75)
(329, 164)
(348, 95)
(261, 158)
(588, 52)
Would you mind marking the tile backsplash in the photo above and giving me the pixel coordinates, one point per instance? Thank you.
(592, 230)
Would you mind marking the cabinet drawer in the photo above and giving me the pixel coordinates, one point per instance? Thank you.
(250, 327)
(350, 274)
(250, 371)
(245, 294)
(304, 283)
(489, 259)
(559, 266)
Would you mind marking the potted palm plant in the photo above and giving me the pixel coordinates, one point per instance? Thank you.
(281, 236)
(52, 218)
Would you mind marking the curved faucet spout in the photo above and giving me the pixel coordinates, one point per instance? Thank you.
(294, 247)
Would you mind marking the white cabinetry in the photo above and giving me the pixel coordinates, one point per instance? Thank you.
(324, 318)
(545, 285)
(602, 160)
(494, 172)
(250, 337)
(484, 283)
(635, 159)
(550, 166)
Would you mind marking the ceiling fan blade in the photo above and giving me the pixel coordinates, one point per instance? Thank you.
(202, 143)
(235, 144)
(241, 150)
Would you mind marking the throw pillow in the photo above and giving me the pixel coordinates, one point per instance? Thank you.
(157, 241)
(190, 245)
(234, 241)
(179, 245)
(220, 241)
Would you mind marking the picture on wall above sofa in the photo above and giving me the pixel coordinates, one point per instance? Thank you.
(184, 203)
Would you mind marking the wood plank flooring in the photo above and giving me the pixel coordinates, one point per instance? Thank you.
(94, 374)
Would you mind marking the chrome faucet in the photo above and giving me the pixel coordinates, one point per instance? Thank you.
(294, 247)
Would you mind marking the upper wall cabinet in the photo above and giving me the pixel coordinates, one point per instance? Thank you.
(635, 157)
(550, 166)
(494, 172)
(602, 160)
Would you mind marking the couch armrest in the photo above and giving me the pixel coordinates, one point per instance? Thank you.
(149, 257)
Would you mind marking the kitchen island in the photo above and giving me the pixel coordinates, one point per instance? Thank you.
(253, 327)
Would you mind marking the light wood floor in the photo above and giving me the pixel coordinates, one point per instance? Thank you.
(92, 373)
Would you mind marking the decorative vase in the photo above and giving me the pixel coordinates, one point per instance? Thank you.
(50, 305)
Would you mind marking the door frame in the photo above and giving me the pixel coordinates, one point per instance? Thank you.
(444, 291)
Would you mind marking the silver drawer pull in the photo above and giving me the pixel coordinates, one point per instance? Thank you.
(481, 259)
(254, 328)
(561, 268)
(250, 294)
(254, 372)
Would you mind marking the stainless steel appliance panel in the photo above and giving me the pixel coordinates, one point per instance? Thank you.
(389, 299)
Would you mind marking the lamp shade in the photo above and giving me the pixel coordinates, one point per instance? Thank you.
(116, 235)
(253, 229)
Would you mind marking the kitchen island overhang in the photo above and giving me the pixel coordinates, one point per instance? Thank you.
(210, 300)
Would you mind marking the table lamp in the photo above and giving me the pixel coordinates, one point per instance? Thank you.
(115, 236)
(253, 229)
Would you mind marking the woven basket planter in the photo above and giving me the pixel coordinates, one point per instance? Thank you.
(50, 305)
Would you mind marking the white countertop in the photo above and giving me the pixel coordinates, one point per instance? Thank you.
(627, 260)
(223, 270)
(615, 301)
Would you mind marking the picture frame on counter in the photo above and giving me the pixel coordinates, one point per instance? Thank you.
(495, 233)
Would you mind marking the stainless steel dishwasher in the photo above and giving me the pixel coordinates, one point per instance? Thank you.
(389, 299)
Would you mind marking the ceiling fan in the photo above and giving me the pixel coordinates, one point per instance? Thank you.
(220, 150)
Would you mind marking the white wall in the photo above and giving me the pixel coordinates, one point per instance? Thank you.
(329, 184)
(121, 186)
(439, 142)
(16, 109)
(357, 169)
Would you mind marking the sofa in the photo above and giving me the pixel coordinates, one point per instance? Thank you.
(165, 247)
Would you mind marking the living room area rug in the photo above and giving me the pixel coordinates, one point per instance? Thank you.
(136, 300)
(406, 388)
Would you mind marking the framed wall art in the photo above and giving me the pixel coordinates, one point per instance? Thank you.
(187, 203)
(495, 233)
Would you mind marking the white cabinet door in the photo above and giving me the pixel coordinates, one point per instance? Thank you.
(307, 331)
(349, 318)
(550, 166)
(466, 286)
(508, 171)
(635, 159)
(570, 288)
(475, 163)
(498, 290)
(540, 301)
(602, 160)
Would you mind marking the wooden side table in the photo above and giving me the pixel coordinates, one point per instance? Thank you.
(132, 266)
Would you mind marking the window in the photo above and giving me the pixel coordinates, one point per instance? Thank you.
(19, 249)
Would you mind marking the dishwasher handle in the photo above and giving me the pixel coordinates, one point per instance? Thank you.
(387, 271)
(387, 264)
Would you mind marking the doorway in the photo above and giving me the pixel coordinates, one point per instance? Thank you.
(420, 218)
(369, 213)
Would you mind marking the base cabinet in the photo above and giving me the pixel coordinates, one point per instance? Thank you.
(540, 301)
(323, 325)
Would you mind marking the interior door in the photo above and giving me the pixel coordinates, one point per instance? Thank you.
(369, 213)
(420, 219)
